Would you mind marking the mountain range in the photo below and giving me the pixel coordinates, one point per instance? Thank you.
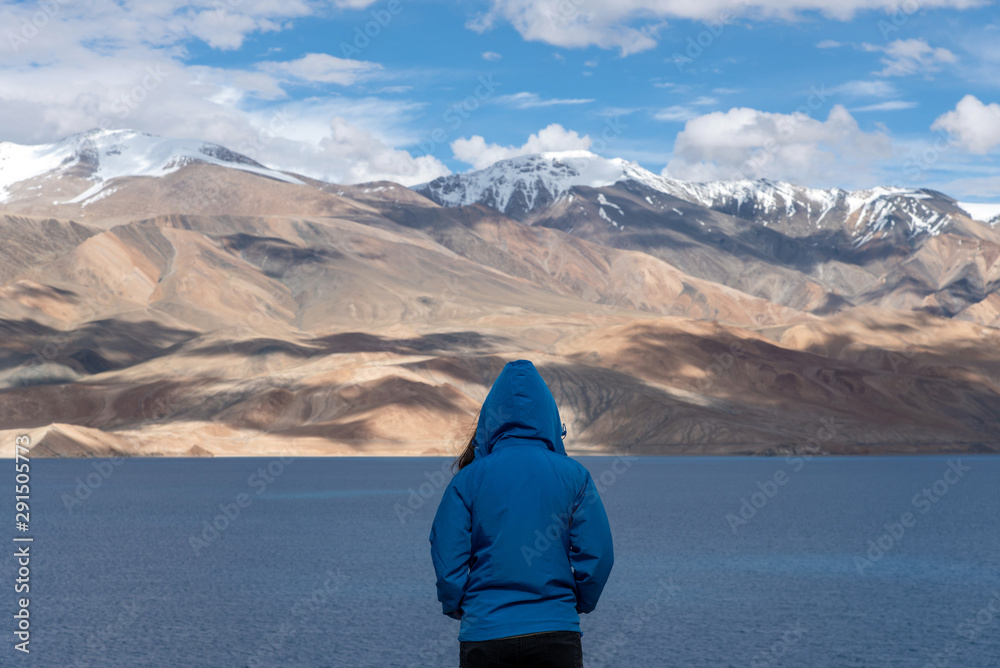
(172, 297)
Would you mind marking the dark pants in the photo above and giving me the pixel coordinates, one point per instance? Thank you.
(554, 649)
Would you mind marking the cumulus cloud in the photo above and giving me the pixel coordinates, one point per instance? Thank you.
(634, 25)
(224, 30)
(747, 143)
(904, 57)
(476, 152)
(491, 55)
(357, 155)
(973, 125)
(321, 68)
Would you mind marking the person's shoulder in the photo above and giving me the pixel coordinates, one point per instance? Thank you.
(470, 472)
(465, 472)
(569, 466)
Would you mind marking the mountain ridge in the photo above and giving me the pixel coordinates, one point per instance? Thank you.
(521, 185)
(517, 186)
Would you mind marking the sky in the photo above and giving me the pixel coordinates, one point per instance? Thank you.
(852, 94)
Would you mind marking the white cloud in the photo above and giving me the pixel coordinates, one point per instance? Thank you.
(491, 55)
(828, 44)
(570, 23)
(633, 25)
(526, 100)
(911, 56)
(865, 89)
(358, 156)
(116, 26)
(680, 113)
(973, 125)
(476, 152)
(611, 112)
(354, 4)
(321, 68)
(747, 143)
(676, 113)
(891, 105)
(225, 30)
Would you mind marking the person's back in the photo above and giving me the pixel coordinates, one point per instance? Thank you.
(521, 543)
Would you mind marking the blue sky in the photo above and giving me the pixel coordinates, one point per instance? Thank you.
(873, 94)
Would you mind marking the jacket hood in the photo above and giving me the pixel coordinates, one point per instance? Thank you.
(519, 406)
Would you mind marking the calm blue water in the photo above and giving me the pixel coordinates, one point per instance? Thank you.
(319, 569)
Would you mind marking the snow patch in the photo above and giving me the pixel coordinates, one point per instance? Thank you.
(100, 195)
(604, 202)
(605, 216)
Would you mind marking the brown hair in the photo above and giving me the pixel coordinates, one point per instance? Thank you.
(468, 454)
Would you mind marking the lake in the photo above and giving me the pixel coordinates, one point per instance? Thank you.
(854, 561)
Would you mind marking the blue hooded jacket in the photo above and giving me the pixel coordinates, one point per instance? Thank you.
(520, 542)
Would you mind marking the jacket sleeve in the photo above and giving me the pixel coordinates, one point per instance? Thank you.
(451, 548)
(591, 551)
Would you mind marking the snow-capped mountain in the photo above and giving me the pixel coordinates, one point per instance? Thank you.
(100, 156)
(522, 186)
(800, 211)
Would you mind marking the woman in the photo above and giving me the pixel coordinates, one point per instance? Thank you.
(520, 542)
